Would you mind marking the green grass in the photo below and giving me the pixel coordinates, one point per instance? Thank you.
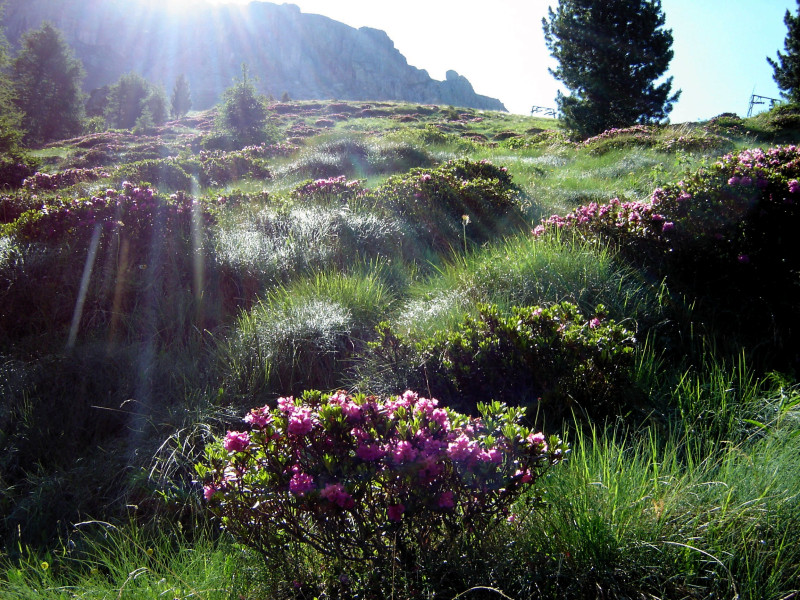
(525, 271)
(103, 561)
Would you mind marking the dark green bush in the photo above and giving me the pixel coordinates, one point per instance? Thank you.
(164, 173)
(460, 198)
(553, 360)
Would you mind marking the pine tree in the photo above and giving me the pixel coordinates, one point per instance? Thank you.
(610, 54)
(244, 112)
(126, 100)
(10, 118)
(47, 82)
(787, 68)
(156, 103)
(181, 97)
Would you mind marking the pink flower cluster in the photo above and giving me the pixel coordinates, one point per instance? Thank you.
(330, 187)
(396, 462)
(636, 217)
(43, 181)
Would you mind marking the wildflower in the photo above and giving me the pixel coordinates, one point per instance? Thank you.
(446, 500)
(236, 441)
(258, 417)
(403, 452)
(794, 186)
(300, 422)
(667, 226)
(537, 440)
(524, 476)
(461, 449)
(45, 565)
(395, 512)
(370, 452)
(594, 323)
(336, 494)
(301, 483)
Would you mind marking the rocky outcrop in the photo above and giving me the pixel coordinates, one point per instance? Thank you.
(307, 56)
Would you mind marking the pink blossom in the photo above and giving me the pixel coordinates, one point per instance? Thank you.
(667, 226)
(794, 186)
(236, 441)
(440, 416)
(301, 483)
(395, 512)
(446, 500)
(359, 434)
(209, 490)
(594, 323)
(537, 440)
(300, 422)
(493, 455)
(461, 449)
(430, 470)
(370, 452)
(403, 452)
(259, 417)
(286, 405)
(351, 410)
(734, 180)
(336, 494)
(525, 476)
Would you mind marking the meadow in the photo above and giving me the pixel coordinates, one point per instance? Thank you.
(634, 293)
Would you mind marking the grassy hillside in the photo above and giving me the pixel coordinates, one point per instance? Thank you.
(634, 292)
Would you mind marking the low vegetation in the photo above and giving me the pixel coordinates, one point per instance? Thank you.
(199, 332)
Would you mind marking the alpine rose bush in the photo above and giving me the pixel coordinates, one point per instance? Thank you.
(360, 478)
(726, 235)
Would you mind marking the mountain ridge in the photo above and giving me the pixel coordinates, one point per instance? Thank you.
(305, 55)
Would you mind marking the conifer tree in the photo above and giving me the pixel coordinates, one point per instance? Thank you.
(47, 83)
(126, 100)
(156, 103)
(181, 97)
(244, 112)
(610, 55)
(13, 167)
(787, 67)
(10, 118)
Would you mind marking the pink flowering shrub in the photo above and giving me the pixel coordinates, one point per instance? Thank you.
(360, 477)
(132, 212)
(218, 168)
(666, 139)
(726, 234)
(331, 190)
(43, 181)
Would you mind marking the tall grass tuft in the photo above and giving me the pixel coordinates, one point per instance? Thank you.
(523, 271)
(303, 335)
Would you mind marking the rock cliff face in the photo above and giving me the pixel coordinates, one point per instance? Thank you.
(307, 56)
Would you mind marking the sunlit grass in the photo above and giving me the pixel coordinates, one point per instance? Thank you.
(525, 271)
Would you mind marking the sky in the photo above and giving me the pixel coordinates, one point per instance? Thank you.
(720, 46)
